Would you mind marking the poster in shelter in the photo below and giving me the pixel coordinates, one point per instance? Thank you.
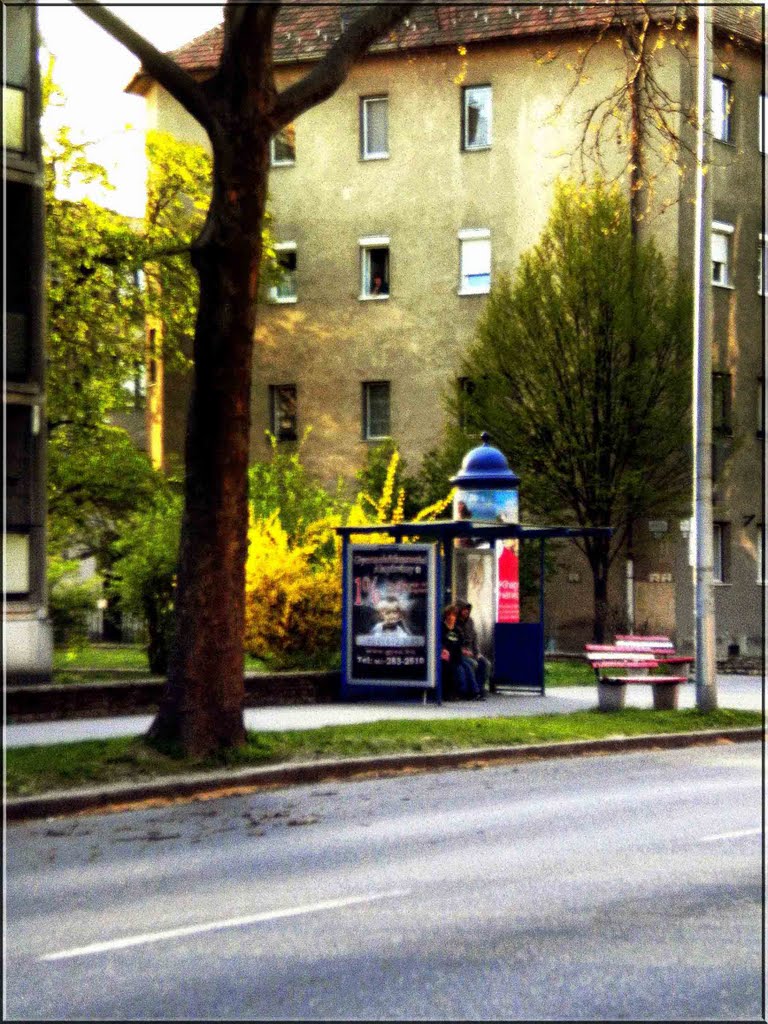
(389, 613)
(507, 581)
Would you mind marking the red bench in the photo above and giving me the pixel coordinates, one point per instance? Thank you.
(636, 657)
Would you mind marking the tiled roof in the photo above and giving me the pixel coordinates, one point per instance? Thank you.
(304, 31)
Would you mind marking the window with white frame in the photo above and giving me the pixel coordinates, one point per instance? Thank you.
(374, 267)
(476, 117)
(282, 411)
(721, 251)
(474, 261)
(376, 410)
(762, 123)
(720, 537)
(374, 127)
(721, 109)
(762, 266)
(285, 289)
(282, 147)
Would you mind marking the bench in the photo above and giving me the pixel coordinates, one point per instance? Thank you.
(636, 657)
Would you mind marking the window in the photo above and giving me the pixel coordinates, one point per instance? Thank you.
(14, 118)
(720, 540)
(762, 129)
(476, 117)
(282, 147)
(721, 245)
(282, 411)
(465, 388)
(17, 577)
(721, 404)
(762, 266)
(475, 261)
(285, 288)
(374, 128)
(374, 267)
(721, 109)
(376, 410)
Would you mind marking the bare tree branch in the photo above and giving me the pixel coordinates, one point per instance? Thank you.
(331, 71)
(164, 70)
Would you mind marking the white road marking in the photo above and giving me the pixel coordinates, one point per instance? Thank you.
(731, 835)
(211, 926)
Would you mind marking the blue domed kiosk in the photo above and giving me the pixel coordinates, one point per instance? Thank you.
(473, 557)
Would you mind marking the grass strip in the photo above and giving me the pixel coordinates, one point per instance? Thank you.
(61, 766)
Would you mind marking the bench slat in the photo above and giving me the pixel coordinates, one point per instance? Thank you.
(652, 680)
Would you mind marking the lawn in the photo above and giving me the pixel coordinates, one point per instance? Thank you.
(31, 770)
(102, 661)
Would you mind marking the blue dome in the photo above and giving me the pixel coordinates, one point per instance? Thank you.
(485, 466)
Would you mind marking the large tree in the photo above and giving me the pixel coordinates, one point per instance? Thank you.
(581, 373)
(240, 108)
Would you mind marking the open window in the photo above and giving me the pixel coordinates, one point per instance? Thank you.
(374, 127)
(476, 117)
(282, 411)
(474, 261)
(282, 147)
(374, 267)
(285, 288)
(721, 253)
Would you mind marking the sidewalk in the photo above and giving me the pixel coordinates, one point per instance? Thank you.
(737, 692)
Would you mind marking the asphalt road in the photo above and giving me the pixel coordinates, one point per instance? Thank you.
(602, 888)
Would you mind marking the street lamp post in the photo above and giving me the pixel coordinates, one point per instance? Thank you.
(701, 524)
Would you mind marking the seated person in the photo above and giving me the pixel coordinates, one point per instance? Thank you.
(471, 651)
(458, 677)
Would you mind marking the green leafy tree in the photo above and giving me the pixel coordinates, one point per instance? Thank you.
(581, 371)
(241, 109)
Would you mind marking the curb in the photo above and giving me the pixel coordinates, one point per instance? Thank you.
(121, 797)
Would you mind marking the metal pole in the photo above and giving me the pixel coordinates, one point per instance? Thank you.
(704, 602)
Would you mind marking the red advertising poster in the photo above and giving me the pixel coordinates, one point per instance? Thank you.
(508, 582)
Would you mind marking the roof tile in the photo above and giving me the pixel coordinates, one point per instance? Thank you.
(304, 31)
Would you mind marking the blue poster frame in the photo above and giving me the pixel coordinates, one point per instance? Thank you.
(389, 688)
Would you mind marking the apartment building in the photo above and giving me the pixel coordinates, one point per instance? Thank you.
(397, 202)
(28, 644)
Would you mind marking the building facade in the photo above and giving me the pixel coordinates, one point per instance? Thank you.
(398, 201)
(28, 644)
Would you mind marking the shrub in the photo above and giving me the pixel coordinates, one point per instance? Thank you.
(293, 601)
(145, 572)
(71, 601)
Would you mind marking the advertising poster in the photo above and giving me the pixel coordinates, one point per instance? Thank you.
(507, 581)
(486, 506)
(390, 614)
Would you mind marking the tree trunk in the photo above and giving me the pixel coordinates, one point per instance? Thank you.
(202, 705)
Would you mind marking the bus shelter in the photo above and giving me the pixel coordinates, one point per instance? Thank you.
(393, 594)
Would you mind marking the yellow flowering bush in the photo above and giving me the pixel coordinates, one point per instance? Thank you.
(293, 582)
(292, 596)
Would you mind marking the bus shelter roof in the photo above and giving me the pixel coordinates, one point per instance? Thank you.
(448, 529)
